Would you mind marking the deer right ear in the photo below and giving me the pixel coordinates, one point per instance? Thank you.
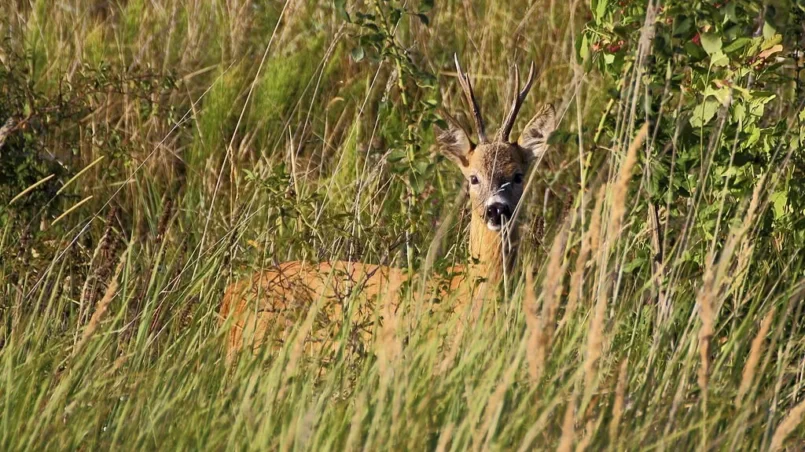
(454, 142)
(534, 138)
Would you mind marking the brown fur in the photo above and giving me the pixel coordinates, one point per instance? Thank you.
(270, 304)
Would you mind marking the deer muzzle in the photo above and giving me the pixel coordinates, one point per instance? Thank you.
(497, 213)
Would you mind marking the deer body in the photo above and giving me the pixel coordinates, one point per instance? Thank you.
(267, 306)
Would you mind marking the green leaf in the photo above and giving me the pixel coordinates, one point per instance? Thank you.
(584, 48)
(738, 44)
(682, 26)
(754, 137)
(722, 94)
(600, 8)
(780, 201)
(757, 108)
(341, 9)
(396, 155)
(695, 52)
(739, 112)
(704, 112)
(719, 59)
(634, 264)
(358, 54)
(768, 30)
(771, 42)
(396, 15)
(425, 6)
(417, 183)
(711, 42)
(729, 13)
(757, 105)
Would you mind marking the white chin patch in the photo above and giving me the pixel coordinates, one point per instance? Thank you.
(492, 226)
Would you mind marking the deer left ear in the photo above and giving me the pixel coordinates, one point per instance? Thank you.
(455, 142)
(534, 139)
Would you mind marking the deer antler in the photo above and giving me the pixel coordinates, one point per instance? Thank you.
(517, 102)
(466, 85)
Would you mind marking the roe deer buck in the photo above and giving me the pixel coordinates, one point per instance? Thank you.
(270, 303)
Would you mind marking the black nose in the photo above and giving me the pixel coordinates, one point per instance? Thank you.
(496, 212)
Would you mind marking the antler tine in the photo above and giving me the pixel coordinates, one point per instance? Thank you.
(517, 101)
(466, 85)
(505, 128)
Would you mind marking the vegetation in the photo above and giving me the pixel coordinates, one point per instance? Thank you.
(152, 152)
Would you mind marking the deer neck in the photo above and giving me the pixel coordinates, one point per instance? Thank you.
(493, 253)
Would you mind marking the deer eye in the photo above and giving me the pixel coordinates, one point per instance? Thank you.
(518, 178)
(474, 180)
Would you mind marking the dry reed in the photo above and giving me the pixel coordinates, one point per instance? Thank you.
(534, 352)
(621, 186)
(754, 358)
(590, 238)
(552, 286)
(711, 285)
(617, 407)
(589, 431)
(444, 438)
(101, 307)
(568, 432)
(792, 421)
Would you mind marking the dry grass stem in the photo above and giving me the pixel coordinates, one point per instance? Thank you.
(595, 341)
(791, 422)
(755, 351)
(101, 307)
(620, 397)
(535, 352)
(621, 186)
(589, 245)
(552, 286)
(568, 430)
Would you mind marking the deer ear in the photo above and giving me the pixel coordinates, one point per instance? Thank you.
(534, 139)
(454, 142)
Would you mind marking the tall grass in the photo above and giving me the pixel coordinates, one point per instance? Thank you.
(109, 333)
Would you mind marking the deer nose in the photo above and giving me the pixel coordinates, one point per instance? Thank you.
(496, 212)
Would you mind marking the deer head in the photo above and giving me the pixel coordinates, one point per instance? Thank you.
(496, 169)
